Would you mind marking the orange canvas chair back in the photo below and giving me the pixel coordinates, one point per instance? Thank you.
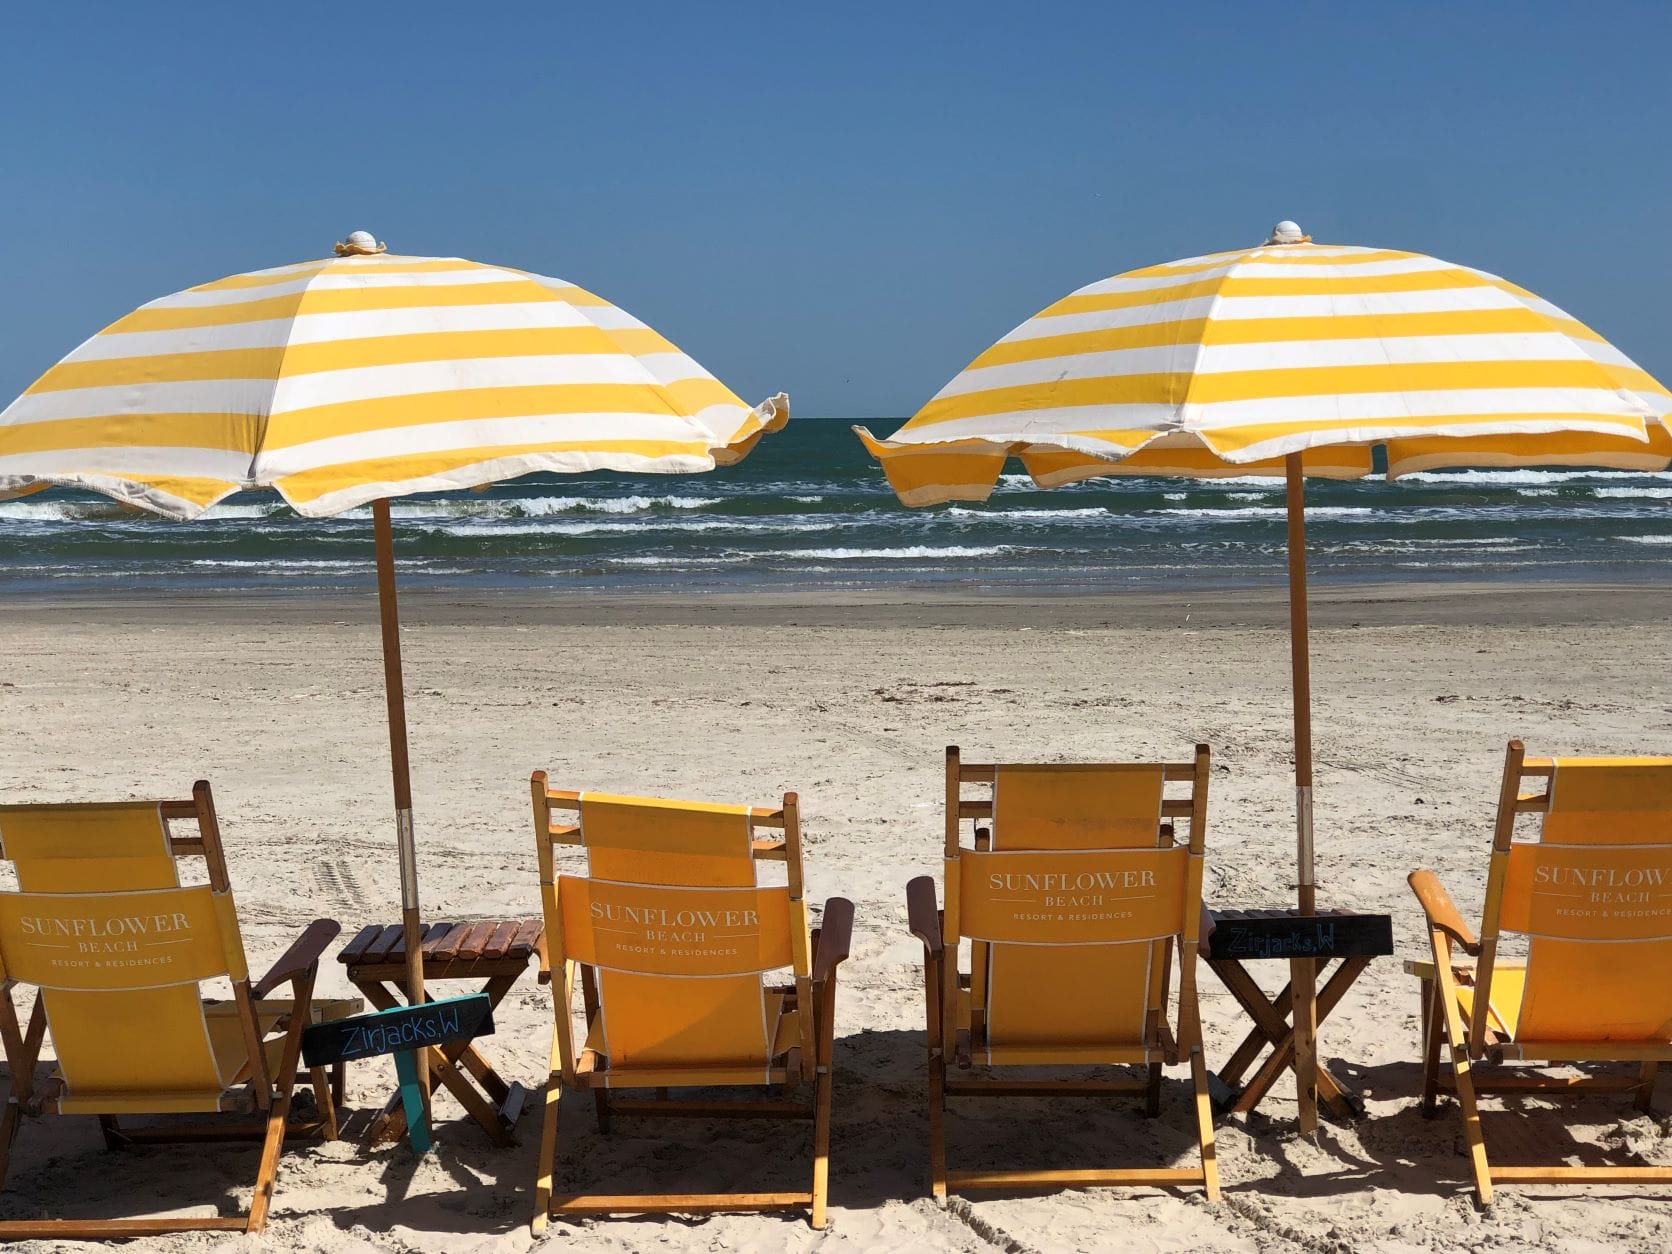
(119, 949)
(1072, 899)
(1593, 897)
(680, 936)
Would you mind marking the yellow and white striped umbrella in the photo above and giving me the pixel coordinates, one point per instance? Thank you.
(1224, 364)
(366, 376)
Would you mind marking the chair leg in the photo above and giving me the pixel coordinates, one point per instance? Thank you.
(268, 1171)
(1431, 1030)
(1204, 1122)
(112, 1133)
(1646, 1086)
(821, 1147)
(10, 1122)
(601, 1108)
(1457, 1042)
(937, 1126)
(548, 1151)
(1152, 1094)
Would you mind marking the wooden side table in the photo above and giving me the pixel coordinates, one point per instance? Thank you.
(495, 952)
(1344, 937)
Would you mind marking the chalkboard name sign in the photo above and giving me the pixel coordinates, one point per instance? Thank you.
(394, 1031)
(400, 1032)
(1278, 934)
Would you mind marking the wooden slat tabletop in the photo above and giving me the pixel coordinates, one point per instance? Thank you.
(489, 940)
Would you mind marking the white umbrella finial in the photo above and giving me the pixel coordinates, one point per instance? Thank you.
(360, 244)
(1287, 232)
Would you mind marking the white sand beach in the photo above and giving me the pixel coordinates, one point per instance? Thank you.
(279, 703)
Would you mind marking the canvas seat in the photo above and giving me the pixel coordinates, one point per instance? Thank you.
(1591, 894)
(1073, 897)
(118, 950)
(673, 945)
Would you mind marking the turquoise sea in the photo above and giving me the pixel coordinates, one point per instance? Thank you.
(810, 509)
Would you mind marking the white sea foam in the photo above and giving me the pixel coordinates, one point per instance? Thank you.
(1489, 542)
(280, 563)
(264, 510)
(1525, 478)
(535, 506)
(1645, 539)
(911, 550)
(490, 529)
(652, 559)
(959, 511)
(1634, 494)
(44, 511)
(1268, 511)
(805, 500)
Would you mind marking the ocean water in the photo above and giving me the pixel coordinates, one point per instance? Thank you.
(810, 509)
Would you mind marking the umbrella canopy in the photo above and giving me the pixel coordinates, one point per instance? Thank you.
(1225, 364)
(360, 377)
(366, 376)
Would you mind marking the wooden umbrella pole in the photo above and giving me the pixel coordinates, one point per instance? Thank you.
(394, 686)
(1300, 665)
(1303, 972)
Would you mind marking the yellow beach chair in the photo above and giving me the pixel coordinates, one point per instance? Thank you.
(117, 950)
(1593, 896)
(672, 940)
(1074, 896)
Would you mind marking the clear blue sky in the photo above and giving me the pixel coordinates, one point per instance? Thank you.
(845, 201)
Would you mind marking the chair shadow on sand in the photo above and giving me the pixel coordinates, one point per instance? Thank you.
(1404, 1151)
(879, 1150)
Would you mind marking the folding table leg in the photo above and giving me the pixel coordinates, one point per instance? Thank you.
(1329, 1088)
(1432, 1019)
(1269, 1018)
(1303, 975)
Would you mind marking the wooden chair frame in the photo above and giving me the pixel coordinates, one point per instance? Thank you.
(1477, 1042)
(574, 1067)
(267, 1096)
(944, 982)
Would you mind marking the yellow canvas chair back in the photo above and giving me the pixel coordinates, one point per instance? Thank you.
(119, 949)
(679, 934)
(674, 944)
(1089, 834)
(1073, 893)
(1593, 897)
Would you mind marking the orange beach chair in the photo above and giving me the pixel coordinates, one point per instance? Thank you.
(673, 941)
(1591, 892)
(1074, 897)
(117, 950)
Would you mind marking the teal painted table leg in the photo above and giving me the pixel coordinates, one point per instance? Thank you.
(417, 1127)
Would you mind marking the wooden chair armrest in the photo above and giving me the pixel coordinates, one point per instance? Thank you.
(303, 954)
(834, 938)
(923, 914)
(1441, 911)
(543, 952)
